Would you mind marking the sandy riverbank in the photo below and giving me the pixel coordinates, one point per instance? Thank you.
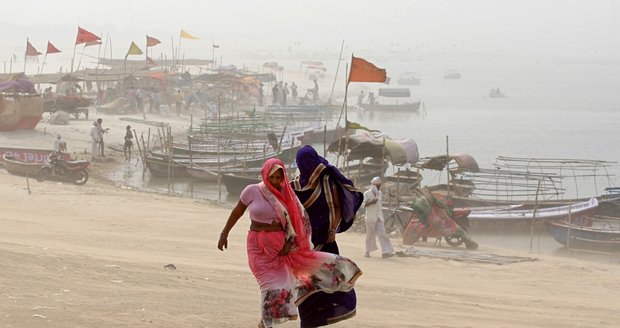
(94, 256)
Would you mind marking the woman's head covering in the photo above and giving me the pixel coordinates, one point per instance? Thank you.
(312, 168)
(376, 181)
(286, 196)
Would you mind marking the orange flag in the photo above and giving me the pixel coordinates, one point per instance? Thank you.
(364, 71)
(151, 41)
(84, 36)
(30, 50)
(51, 49)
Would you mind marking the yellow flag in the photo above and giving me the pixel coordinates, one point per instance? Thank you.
(133, 50)
(186, 35)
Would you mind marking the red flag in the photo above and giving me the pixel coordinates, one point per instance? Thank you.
(151, 42)
(364, 71)
(84, 36)
(51, 49)
(30, 50)
(150, 61)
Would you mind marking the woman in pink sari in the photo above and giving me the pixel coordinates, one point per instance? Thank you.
(280, 255)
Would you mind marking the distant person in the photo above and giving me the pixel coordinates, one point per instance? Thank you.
(128, 143)
(371, 98)
(316, 91)
(360, 99)
(375, 227)
(59, 144)
(260, 94)
(274, 94)
(178, 101)
(94, 137)
(284, 94)
(294, 91)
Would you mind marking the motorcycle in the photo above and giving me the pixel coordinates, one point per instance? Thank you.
(436, 218)
(55, 166)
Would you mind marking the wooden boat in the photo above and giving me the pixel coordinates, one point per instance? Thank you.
(158, 166)
(592, 233)
(210, 174)
(30, 155)
(392, 99)
(19, 167)
(520, 213)
(235, 183)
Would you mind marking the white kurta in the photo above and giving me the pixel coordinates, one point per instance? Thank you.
(374, 222)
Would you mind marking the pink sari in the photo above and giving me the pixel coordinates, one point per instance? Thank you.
(286, 281)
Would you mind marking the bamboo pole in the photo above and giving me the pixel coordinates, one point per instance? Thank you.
(533, 222)
(447, 167)
(570, 223)
(142, 155)
(219, 132)
(191, 161)
(325, 140)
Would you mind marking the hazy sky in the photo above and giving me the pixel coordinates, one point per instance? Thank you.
(537, 27)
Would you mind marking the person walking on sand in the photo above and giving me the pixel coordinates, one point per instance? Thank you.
(279, 252)
(94, 138)
(375, 227)
(331, 202)
(128, 143)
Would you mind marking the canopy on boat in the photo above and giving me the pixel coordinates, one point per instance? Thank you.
(366, 145)
(394, 92)
(465, 163)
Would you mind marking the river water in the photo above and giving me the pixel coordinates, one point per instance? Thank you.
(554, 109)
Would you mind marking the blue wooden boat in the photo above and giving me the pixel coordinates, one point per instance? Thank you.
(599, 233)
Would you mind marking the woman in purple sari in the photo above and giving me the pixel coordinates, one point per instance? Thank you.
(331, 202)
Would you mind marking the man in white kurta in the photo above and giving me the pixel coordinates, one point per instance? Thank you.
(94, 139)
(375, 227)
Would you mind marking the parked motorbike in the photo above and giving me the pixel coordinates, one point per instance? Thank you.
(436, 218)
(55, 166)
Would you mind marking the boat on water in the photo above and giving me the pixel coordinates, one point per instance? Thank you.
(522, 213)
(408, 78)
(392, 99)
(452, 75)
(598, 233)
(497, 93)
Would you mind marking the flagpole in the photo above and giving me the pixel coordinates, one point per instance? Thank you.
(336, 76)
(212, 53)
(179, 48)
(172, 41)
(81, 55)
(43, 64)
(73, 58)
(26, 54)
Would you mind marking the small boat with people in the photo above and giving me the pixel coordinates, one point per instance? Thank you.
(392, 99)
(409, 78)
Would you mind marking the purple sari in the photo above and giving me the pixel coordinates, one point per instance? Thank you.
(314, 187)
